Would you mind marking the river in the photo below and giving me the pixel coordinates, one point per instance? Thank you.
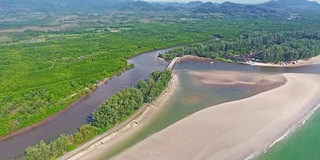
(70, 120)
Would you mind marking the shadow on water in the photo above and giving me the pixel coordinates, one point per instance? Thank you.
(89, 119)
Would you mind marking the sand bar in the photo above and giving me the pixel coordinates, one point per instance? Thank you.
(233, 130)
(298, 63)
(233, 78)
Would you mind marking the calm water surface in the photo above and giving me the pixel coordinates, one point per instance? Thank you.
(190, 98)
(69, 121)
(193, 97)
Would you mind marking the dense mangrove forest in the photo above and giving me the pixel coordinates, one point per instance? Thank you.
(114, 111)
(276, 47)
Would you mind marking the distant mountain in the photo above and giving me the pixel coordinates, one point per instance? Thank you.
(292, 5)
(229, 8)
(174, 8)
(292, 2)
(231, 5)
(194, 4)
(57, 6)
(207, 7)
(12, 8)
(140, 6)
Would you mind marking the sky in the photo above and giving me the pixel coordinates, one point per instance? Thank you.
(219, 1)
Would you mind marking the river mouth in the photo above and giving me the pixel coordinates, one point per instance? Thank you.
(240, 127)
(72, 119)
(195, 94)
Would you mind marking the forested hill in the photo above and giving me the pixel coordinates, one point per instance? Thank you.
(14, 7)
(235, 9)
(291, 4)
(59, 6)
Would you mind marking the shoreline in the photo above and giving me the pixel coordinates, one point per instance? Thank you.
(193, 57)
(229, 78)
(77, 100)
(67, 107)
(178, 132)
(49, 118)
(291, 130)
(129, 127)
(298, 63)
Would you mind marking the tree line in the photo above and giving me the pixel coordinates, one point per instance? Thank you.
(285, 46)
(114, 111)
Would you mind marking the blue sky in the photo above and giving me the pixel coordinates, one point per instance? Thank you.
(219, 1)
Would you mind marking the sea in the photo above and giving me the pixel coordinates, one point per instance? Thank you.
(301, 142)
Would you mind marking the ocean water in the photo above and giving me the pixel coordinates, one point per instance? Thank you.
(302, 144)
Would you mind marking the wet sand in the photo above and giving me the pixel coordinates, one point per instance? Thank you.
(235, 78)
(298, 63)
(233, 130)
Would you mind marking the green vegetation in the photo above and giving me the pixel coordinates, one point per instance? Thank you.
(62, 144)
(53, 53)
(260, 46)
(114, 111)
(50, 151)
(119, 107)
(39, 79)
(224, 59)
(125, 102)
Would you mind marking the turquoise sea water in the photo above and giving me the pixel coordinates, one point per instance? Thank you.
(303, 144)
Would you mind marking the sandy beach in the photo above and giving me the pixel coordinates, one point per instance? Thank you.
(95, 151)
(234, 78)
(233, 130)
(298, 63)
